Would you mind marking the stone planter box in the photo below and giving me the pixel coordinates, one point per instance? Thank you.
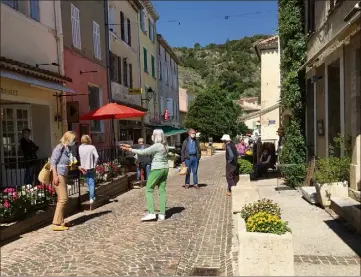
(242, 195)
(209, 152)
(326, 191)
(244, 179)
(261, 254)
(171, 163)
(203, 152)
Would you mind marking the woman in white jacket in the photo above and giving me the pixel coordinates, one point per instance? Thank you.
(88, 161)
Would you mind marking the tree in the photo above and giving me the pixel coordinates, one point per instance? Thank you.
(213, 114)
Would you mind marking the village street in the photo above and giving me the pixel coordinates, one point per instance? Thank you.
(197, 236)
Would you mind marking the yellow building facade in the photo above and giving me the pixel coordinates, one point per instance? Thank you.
(148, 60)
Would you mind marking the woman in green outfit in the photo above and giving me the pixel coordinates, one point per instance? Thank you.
(158, 174)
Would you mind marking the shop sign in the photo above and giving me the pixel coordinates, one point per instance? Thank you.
(12, 92)
(134, 91)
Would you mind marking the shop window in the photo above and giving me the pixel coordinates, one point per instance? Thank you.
(13, 120)
(96, 126)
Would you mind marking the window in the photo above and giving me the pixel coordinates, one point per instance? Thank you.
(165, 73)
(150, 30)
(96, 40)
(75, 26)
(153, 66)
(125, 73)
(34, 10)
(94, 103)
(142, 20)
(310, 16)
(126, 37)
(129, 33)
(115, 68)
(122, 30)
(145, 60)
(111, 20)
(11, 3)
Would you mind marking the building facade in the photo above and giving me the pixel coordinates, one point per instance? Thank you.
(125, 70)
(333, 79)
(250, 105)
(148, 60)
(168, 86)
(83, 24)
(32, 80)
(267, 51)
(185, 99)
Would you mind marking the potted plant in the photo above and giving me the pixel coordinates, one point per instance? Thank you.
(245, 169)
(265, 243)
(331, 176)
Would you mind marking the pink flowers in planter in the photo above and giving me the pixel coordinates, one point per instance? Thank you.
(107, 170)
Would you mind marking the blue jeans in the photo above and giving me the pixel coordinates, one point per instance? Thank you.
(90, 180)
(192, 165)
(147, 172)
(29, 175)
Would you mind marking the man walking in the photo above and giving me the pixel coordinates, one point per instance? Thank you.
(231, 163)
(190, 155)
(143, 162)
(29, 149)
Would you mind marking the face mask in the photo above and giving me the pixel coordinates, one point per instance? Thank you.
(72, 143)
(193, 135)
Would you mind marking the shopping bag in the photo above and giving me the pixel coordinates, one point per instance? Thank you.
(45, 174)
(183, 170)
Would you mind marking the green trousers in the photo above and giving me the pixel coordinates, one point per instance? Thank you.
(157, 177)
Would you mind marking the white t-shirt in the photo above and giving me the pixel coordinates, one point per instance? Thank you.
(88, 156)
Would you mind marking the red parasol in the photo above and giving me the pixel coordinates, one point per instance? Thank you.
(112, 111)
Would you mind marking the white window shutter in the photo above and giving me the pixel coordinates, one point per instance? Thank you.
(75, 24)
(99, 45)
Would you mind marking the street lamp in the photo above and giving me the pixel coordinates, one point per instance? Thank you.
(149, 96)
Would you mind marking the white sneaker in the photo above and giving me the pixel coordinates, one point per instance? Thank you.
(161, 217)
(149, 217)
(91, 201)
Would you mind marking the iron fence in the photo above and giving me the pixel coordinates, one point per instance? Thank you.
(21, 193)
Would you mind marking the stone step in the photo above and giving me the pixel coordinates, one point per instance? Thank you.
(100, 200)
(348, 209)
(138, 184)
(309, 193)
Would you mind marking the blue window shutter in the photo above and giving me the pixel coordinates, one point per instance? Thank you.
(34, 10)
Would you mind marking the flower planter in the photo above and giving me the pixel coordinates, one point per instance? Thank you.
(204, 152)
(171, 163)
(209, 152)
(242, 195)
(326, 191)
(244, 179)
(263, 254)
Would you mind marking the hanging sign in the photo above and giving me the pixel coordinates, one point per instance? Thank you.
(134, 91)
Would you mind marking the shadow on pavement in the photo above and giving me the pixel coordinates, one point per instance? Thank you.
(174, 210)
(85, 218)
(352, 239)
(202, 185)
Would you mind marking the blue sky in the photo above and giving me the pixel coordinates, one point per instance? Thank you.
(204, 21)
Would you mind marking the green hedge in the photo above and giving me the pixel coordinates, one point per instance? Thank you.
(293, 55)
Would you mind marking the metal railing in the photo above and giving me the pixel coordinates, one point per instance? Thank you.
(21, 193)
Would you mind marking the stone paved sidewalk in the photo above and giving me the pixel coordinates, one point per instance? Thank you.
(322, 245)
(112, 241)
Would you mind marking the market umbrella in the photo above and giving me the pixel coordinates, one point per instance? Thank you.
(112, 111)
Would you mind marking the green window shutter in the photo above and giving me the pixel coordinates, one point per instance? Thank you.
(149, 28)
(153, 66)
(145, 60)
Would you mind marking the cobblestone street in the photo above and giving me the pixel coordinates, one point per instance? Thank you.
(111, 240)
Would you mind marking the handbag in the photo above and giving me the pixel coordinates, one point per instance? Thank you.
(45, 174)
(183, 170)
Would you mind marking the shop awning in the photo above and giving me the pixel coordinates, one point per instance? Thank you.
(34, 81)
(170, 130)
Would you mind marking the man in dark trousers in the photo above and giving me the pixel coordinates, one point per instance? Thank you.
(143, 162)
(29, 149)
(231, 163)
(190, 156)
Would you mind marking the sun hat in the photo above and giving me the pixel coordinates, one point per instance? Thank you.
(226, 138)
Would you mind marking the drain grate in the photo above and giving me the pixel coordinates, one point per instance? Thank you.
(198, 271)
